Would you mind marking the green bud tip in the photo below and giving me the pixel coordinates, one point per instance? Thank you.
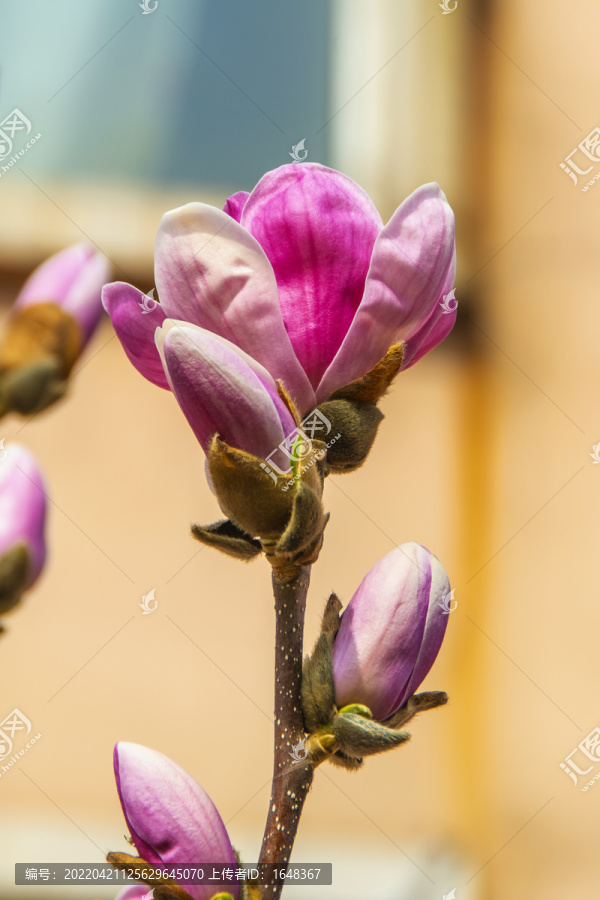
(358, 710)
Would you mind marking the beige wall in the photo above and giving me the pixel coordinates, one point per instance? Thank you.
(543, 316)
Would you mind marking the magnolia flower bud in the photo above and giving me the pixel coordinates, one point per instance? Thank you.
(72, 280)
(51, 321)
(22, 521)
(391, 631)
(222, 390)
(171, 818)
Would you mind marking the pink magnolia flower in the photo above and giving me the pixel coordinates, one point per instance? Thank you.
(172, 819)
(73, 280)
(391, 631)
(301, 278)
(22, 522)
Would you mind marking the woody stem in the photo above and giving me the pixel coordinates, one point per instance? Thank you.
(291, 779)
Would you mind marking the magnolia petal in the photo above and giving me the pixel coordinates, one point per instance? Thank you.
(72, 279)
(219, 391)
(436, 328)
(171, 818)
(381, 631)
(318, 229)
(22, 506)
(211, 272)
(439, 331)
(435, 628)
(83, 301)
(235, 204)
(135, 327)
(411, 261)
(54, 278)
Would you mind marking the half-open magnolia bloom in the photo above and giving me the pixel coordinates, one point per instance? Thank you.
(391, 631)
(172, 820)
(51, 321)
(302, 279)
(22, 523)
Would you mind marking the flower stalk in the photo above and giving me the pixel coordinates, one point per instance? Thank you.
(291, 779)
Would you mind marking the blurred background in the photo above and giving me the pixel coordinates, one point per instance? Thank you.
(484, 456)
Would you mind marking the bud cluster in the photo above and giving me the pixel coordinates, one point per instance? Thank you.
(358, 685)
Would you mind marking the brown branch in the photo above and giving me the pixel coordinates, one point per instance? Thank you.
(291, 780)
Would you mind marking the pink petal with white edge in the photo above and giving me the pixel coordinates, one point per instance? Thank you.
(410, 264)
(171, 817)
(135, 328)
(219, 392)
(211, 272)
(318, 229)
